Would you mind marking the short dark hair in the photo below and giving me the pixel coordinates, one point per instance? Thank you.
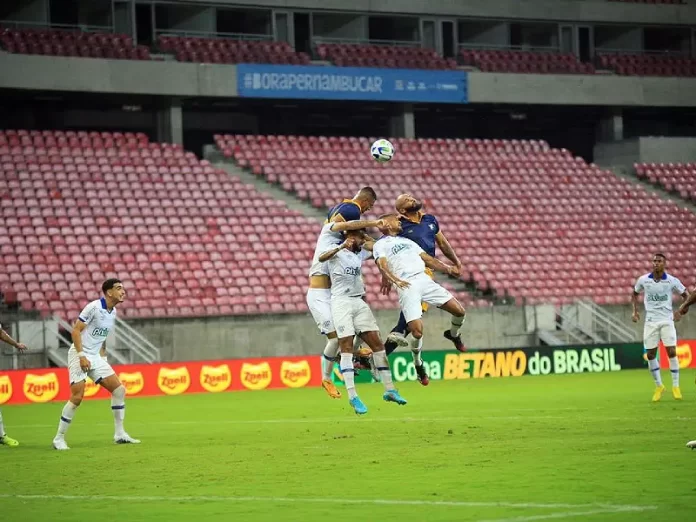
(109, 284)
(369, 191)
(660, 254)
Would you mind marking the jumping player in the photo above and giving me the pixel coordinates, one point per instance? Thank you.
(403, 263)
(352, 315)
(424, 230)
(319, 291)
(87, 358)
(5, 440)
(658, 287)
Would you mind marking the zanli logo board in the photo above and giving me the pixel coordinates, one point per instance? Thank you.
(295, 374)
(216, 378)
(5, 388)
(41, 388)
(256, 376)
(173, 382)
(133, 382)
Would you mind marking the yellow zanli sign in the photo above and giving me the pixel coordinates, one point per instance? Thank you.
(476, 365)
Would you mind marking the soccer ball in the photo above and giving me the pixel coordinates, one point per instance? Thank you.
(382, 151)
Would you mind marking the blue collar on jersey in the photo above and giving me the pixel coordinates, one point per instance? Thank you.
(664, 276)
(103, 303)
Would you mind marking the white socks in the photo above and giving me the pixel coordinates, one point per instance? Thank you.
(382, 365)
(66, 418)
(118, 407)
(348, 373)
(327, 361)
(416, 345)
(2, 426)
(674, 369)
(455, 325)
(654, 367)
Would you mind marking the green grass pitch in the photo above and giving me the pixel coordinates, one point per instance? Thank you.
(578, 447)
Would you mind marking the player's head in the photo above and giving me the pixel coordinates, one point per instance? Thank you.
(366, 198)
(391, 225)
(356, 238)
(406, 203)
(658, 262)
(113, 289)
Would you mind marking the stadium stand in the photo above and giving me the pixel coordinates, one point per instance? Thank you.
(647, 64)
(221, 50)
(356, 55)
(524, 62)
(194, 241)
(651, 1)
(72, 43)
(527, 219)
(678, 178)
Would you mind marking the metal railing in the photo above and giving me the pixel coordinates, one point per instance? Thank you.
(586, 319)
(505, 47)
(18, 24)
(213, 35)
(137, 343)
(610, 50)
(365, 41)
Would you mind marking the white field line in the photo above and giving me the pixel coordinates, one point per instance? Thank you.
(596, 508)
(347, 418)
(568, 514)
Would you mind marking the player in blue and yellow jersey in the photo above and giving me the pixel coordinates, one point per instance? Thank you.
(424, 230)
(319, 291)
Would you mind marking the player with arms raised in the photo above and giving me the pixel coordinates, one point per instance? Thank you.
(424, 230)
(319, 291)
(403, 263)
(352, 315)
(4, 439)
(658, 287)
(87, 358)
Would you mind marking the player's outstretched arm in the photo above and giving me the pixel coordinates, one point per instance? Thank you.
(438, 265)
(4, 336)
(634, 301)
(448, 251)
(389, 275)
(347, 226)
(330, 253)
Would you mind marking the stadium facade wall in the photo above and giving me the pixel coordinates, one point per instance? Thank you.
(557, 10)
(225, 337)
(208, 338)
(646, 150)
(170, 78)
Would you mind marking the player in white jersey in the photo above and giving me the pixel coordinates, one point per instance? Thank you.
(319, 290)
(403, 263)
(352, 315)
(87, 358)
(5, 440)
(658, 288)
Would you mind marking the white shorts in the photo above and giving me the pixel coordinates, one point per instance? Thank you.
(100, 369)
(663, 331)
(319, 303)
(422, 289)
(352, 315)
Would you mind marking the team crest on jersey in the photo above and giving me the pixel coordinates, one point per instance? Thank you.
(432, 226)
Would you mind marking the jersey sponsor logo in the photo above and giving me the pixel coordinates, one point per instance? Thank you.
(91, 388)
(100, 332)
(352, 270)
(658, 298)
(295, 374)
(256, 376)
(5, 389)
(132, 382)
(398, 248)
(173, 382)
(41, 388)
(216, 378)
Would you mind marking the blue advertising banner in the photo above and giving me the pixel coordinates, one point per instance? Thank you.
(351, 83)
